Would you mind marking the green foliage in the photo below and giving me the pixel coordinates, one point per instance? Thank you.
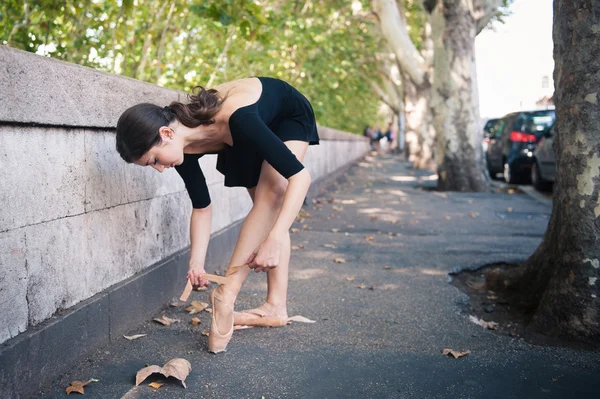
(324, 48)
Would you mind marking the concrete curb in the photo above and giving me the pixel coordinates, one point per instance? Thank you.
(530, 191)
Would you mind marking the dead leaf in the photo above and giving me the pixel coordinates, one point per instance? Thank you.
(373, 217)
(473, 214)
(349, 278)
(330, 200)
(205, 333)
(132, 337)
(335, 230)
(178, 368)
(304, 214)
(196, 307)
(490, 325)
(201, 288)
(155, 385)
(337, 208)
(361, 286)
(77, 386)
(339, 260)
(455, 354)
(195, 321)
(369, 238)
(509, 209)
(305, 226)
(208, 310)
(470, 201)
(387, 268)
(299, 219)
(299, 319)
(176, 303)
(329, 246)
(294, 230)
(297, 247)
(165, 321)
(448, 217)
(512, 191)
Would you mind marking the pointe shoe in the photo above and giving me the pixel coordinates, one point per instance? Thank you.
(264, 316)
(217, 342)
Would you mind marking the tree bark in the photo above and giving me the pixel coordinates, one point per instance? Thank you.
(455, 102)
(419, 132)
(560, 279)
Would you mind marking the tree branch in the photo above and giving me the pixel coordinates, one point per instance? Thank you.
(484, 11)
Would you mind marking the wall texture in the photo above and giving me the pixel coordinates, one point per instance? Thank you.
(75, 219)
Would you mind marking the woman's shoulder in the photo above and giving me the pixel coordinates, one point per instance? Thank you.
(239, 94)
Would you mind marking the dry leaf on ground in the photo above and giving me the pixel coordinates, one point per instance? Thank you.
(369, 238)
(350, 278)
(300, 219)
(387, 268)
(305, 226)
(195, 321)
(77, 386)
(132, 337)
(339, 260)
(361, 286)
(201, 288)
(155, 385)
(165, 321)
(473, 214)
(373, 217)
(509, 209)
(297, 247)
(294, 230)
(178, 368)
(337, 208)
(335, 230)
(205, 333)
(470, 201)
(448, 217)
(455, 354)
(196, 307)
(490, 325)
(304, 214)
(176, 303)
(329, 246)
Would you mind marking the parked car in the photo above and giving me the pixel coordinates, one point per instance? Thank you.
(544, 161)
(488, 131)
(510, 150)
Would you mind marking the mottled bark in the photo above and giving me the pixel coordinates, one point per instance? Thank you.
(419, 132)
(561, 279)
(455, 104)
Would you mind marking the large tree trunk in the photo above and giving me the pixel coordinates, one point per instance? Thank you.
(455, 102)
(419, 133)
(560, 280)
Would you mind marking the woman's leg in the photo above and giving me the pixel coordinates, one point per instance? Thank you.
(267, 197)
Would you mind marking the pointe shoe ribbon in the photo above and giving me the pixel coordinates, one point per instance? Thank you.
(210, 277)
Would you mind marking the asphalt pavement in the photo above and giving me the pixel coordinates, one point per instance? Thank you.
(383, 314)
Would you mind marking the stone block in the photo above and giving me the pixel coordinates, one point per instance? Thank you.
(13, 284)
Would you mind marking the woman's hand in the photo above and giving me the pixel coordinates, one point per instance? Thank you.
(194, 274)
(266, 256)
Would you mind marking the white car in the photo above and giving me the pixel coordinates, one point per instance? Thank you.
(543, 169)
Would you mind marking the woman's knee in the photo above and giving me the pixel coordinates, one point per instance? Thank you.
(273, 193)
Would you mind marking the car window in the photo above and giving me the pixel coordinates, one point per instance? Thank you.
(489, 125)
(498, 128)
(536, 122)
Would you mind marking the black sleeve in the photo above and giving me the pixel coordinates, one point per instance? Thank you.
(249, 127)
(194, 180)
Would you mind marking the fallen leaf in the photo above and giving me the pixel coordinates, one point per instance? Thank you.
(509, 209)
(77, 386)
(373, 217)
(205, 333)
(208, 310)
(335, 230)
(362, 286)
(294, 230)
(299, 319)
(369, 238)
(492, 297)
(337, 208)
(132, 337)
(297, 247)
(387, 268)
(155, 385)
(305, 226)
(350, 278)
(448, 217)
(195, 321)
(490, 325)
(470, 201)
(165, 321)
(201, 288)
(329, 246)
(455, 354)
(178, 368)
(176, 303)
(339, 260)
(473, 214)
(512, 191)
(330, 200)
(196, 307)
(304, 214)
(299, 219)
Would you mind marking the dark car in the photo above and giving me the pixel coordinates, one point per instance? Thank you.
(514, 139)
(544, 161)
(488, 131)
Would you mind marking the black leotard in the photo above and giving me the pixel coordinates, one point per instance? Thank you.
(258, 131)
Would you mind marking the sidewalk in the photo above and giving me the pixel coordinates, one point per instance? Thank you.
(383, 316)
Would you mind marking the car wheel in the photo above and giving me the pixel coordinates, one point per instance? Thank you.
(537, 180)
(509, 174)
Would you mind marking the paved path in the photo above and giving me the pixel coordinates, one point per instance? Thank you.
(383, 342)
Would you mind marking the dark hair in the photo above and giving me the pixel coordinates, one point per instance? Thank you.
(138, 127)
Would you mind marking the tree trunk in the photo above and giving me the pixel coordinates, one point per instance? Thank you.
(419, 133)
(561, 278)
(455, 102)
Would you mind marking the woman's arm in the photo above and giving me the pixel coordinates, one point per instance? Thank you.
(200, 224)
